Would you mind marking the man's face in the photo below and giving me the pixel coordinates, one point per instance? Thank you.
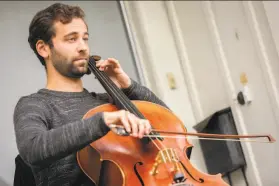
(70, 51)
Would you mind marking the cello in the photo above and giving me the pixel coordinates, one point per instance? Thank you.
(160, 158)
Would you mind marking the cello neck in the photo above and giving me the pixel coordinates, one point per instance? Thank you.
(120, 99)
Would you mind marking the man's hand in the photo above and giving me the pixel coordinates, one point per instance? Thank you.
(135, 126)
(113, 69)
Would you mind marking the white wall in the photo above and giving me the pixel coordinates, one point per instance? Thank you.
(202, 61)
(210, 44)
(245, 53)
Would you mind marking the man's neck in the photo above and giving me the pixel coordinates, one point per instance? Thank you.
(58, 82)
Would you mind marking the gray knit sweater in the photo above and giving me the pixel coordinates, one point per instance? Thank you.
(50, 130)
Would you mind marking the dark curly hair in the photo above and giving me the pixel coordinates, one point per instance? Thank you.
(41, 27)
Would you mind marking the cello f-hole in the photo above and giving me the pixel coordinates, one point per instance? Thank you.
(137, 173)
(200, 179)
(189, 152)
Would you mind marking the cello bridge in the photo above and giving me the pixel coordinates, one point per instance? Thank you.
(165, 156)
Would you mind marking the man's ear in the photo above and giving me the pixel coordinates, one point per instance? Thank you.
(43, 49)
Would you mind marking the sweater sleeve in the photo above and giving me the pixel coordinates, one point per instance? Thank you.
(139, 92)
(38, 145)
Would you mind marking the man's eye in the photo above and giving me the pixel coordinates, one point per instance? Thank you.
(85, 39)
(72, 39)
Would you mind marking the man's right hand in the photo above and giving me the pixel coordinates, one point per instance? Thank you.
(135, 126)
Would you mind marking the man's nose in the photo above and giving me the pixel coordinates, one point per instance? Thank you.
(82, 46)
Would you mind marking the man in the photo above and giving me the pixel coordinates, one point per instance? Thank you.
(48, 124)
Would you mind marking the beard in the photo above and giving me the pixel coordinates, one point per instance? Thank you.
(69, 67)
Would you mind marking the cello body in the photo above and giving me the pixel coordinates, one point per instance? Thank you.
(115, 160)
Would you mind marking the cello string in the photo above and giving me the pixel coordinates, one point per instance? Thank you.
(116, 93)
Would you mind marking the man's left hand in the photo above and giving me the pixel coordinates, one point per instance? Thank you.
(113, 69)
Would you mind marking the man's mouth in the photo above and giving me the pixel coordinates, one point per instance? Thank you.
(81, 60)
